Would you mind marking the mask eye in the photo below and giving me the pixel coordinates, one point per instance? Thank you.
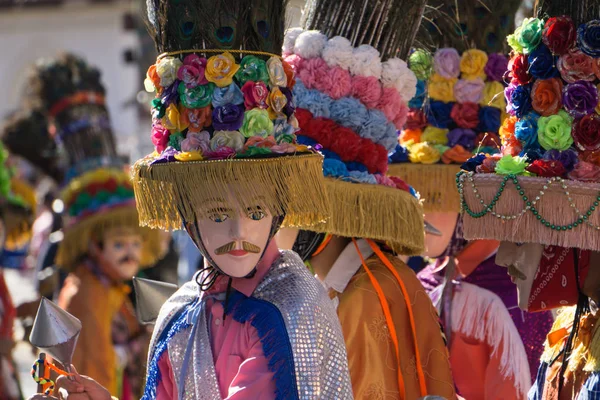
(256, 215)
(218, 217)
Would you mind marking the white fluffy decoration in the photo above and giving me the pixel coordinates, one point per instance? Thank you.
(310, 44)
(396, 74)
(290, 39)
(338, 52)
(366, 61)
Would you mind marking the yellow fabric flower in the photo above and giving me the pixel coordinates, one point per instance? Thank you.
(441, 88)
(189, 156)
(220, 69)
(277, 76)
(276, 101)
(472, 64)
(423, 153)
(433, 135)
(493, 95)
(173, 120)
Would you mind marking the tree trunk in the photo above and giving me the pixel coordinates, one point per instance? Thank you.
(580, 10)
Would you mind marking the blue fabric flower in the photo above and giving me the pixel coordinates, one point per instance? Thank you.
(227, 95)
(542, 64)
(489, 119)
(305, 140)
(390, 140)
(419, 98)
(399, 155)
(438, 114)
(376, 127)
(526, 130)
(588, 38)
(472, 163)
(314, 101)
(334, 168)
(330, 155)
(349, 112)
(567, 158)
(362, 177)
(356, 166)
(534, 152)
(520, 100)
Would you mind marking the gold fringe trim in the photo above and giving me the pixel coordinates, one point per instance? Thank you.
(375, 212)
(436, 184)
(78, 237)
(290, 185)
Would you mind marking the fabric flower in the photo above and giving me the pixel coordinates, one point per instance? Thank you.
(227, 95)
(462, 137)
(220, 69)
(399, 155)
(256, 123)
(290, 105)
(289, 74)
(260, 142)
(469, 90)
(580, 98)
(255, 95)
(152, 81)
(419, 97)
(547, 168)
(592, 157)
(391, 104)
(567, 158)
(158, 109)
(586, 133)
(191, 73)
(520, 100)
(167, 68)
(530, 35)
(433, 135)
(334, 168)
(420, 62)
(366, 61)
(168, 155)
(513, 41)
(456, 155)
(174, 120)
(228, 117)
(546, 96)
(313, 72)
(349, 112)
(189, 156)
(588, 38)
(585, 172)
(410, 135)
(507, 129)
(367, 89)
(441, 88)
(231, 139)
(175, 141)
(511, 146)
(160, 136)
(276, 102)
(519, 69)
(576, 66)
(554, 132)
(198, 118)
(472, 64)
(416, 119)
(423, 153)
(253, 69)
(466, 115)
(196, 141)
(493, 95)
(196, 97)
(542, 64)
(446, 63)
(496, 65)
(489, 119)
(317, 103)
(472, 163)
(559, 34)
(526, 130)
(222, 153)
(277, 76)
(438, 114)
(338, 52)
(511, 165)
(397, 75)
(340, 83)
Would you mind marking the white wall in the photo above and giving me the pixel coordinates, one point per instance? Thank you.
(94, 32)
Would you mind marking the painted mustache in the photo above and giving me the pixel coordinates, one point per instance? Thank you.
(128, 259)
(247, 246)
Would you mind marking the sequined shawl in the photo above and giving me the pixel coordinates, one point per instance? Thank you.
(310, 326)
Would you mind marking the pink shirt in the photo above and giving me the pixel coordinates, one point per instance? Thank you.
(240, 364)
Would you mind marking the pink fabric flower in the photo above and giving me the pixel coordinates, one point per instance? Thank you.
(295, 61)
(367, 89)
(576, 66)
(341, 83)
(192, 71)
(284, 148)
(390, 103)
(469, 90)
(384, 180)
(585, 172)
(310, 72)
(220, 154)
(195, 141)
(255, 95)
(160, 136)
(402, 116)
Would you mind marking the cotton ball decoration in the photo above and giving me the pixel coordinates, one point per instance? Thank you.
(366, 61)
(310, 44)
(338, 52)
(396, 74)
(290, 39)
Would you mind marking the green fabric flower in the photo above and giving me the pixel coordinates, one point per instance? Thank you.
(554, 132)
(159, 108)
(440, 148)
(512, 165)
(175, 141)
(285, 138)
(421, 63)
(256, 123)
(252, 69)
(513, 40)
(254, 151)
(530, 35)
(197, 97)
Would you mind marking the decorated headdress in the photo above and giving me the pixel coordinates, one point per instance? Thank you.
(65, 131)
(545, 186)
(351, 94)
(223, 117)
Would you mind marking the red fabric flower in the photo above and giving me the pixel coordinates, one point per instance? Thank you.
(347, 145)
(400, 184)
(547, 168)
(303, 116)
(559, 34)
(518, 68)
(466, 115)
(321, 130)
(416, 119)
(512, 146)
(488, 166)
(592, 157)
(373, 156)
(586, 133)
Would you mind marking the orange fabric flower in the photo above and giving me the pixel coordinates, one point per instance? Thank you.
(289, 73)
(259, 141)
(152, 75)
(507, 129)
(410, 134)
(511, 146)
(456, 155)
(546, 96)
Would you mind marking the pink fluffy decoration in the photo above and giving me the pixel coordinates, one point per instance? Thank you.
(402, 116)
(390, 103)
(311, 71)
(367, 89)
(295, 62)
(341, 83)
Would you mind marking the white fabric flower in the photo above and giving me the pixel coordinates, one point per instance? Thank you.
(290, 39)
(310, 44)
(167, 70)
(233, 139)
(338, 52)
(396, 74)
(366, 61)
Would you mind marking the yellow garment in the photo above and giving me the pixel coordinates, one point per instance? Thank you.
(371, 354)
(96, 305)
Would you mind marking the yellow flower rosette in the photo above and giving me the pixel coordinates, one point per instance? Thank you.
(434, 135)
(423, 153)
(220, 69)
(174, 120)
(189, 156)
(441, 89)
(472, 64)
(493, 95)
